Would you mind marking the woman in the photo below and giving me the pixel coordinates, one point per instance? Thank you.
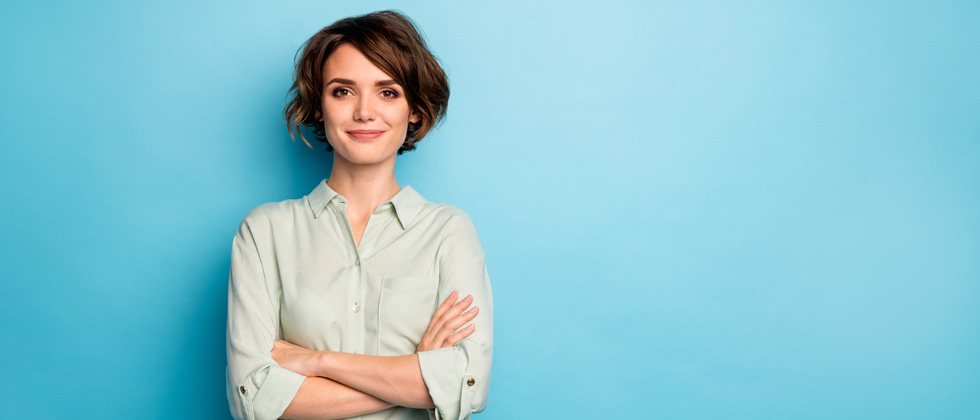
(346, 302)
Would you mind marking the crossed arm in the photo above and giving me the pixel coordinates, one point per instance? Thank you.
(340, 385)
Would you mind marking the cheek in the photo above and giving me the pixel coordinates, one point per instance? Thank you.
(334, 110)
(398, 116)
(330, 120)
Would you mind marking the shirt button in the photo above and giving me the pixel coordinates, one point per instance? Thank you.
(471, 382)
(356, 308)
(357, 261)
(242, 389)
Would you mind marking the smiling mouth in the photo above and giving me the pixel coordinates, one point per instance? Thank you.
(365, 135)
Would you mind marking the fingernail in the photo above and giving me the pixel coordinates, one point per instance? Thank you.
(469, 297)
(452, 295)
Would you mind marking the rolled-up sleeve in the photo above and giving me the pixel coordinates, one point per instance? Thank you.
(458, 377)
(257, 387)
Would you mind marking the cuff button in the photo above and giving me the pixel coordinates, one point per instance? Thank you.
(471, 382)
(242, 389)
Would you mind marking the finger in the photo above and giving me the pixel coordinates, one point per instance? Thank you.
(463, 318)
(451, 325)
(438, 323)
(459, 335)
(442, 314)
(429, 337)
(454, 311)
(458, 307)
(449, 314)
(445, 306)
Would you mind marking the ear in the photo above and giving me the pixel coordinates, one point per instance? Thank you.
(414, 117)
(317, 115)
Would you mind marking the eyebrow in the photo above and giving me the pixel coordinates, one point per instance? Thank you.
(388, 82)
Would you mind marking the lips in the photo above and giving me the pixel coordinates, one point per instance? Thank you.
(365, 135)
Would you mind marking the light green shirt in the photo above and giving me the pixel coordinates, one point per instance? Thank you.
(297, 275)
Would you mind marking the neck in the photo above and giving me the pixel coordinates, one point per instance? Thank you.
(364, 186)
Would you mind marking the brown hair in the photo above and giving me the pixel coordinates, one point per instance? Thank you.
(391, 41)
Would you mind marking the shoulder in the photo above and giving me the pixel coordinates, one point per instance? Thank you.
(457, 231)
(446, 212)
(264, 220)
(448, 217)
(275, 211)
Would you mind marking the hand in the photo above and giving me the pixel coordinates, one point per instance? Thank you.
(448, 317)
(295, 358)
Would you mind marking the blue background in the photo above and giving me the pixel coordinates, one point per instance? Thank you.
(691, 210)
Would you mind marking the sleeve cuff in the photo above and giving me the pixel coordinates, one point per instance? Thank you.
(278, 390)
(447, 385)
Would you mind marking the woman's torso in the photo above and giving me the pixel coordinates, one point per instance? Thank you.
(375, 298)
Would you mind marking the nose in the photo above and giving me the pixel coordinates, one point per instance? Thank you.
(364, 110)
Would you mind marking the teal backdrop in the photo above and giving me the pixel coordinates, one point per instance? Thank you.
(691, 210)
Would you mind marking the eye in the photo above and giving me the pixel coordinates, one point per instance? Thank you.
(389, 94)
(340, 92)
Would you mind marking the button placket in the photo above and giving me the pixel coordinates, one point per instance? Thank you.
(356, 307)
(355, 333)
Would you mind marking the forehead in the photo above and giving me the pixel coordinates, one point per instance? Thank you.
(347, 62)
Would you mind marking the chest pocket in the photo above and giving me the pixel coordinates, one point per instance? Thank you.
(406, 307)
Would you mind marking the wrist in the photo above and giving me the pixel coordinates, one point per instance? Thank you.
(319, 363)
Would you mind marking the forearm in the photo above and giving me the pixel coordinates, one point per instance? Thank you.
(396, 379)
(322, 398)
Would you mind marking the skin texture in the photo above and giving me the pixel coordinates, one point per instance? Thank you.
(359, 96)
(363, 171)
(340, 385)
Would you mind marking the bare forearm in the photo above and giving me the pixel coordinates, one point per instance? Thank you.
(396, 379)
(321, 398)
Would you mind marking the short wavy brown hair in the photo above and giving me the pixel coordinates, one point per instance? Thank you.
(393, 43)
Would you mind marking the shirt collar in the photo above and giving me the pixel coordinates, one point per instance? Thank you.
(319, 198)
(407, 202)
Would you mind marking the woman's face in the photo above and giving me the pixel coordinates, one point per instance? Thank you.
(365, 113)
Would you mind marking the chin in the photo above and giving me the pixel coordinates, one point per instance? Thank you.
(365, 157)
